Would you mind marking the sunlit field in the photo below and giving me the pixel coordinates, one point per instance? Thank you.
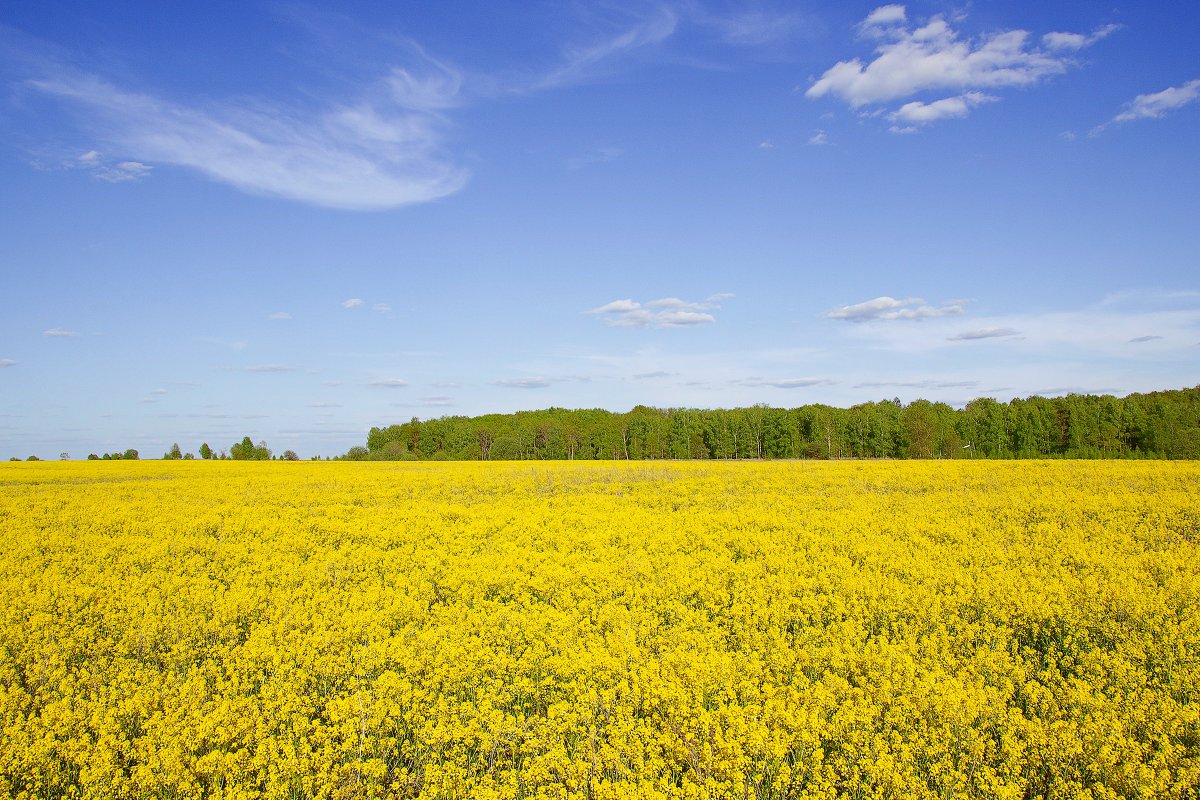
(600, 629)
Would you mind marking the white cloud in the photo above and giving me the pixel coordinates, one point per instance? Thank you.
(278, 315)
(270, 368)
(883, 20)
(1077, 41)
(819, 138)
(889, 308)
(59, 333)
(380, 149)
(983, 333)
(7, 362)
(1155, 106)
(616, 306)
(919, 113)
(353, 302)
(381, 308)
(666, 312)
(933, 58)
(681, 319)
(1100, 335)
(390, 383)
(1144, 339)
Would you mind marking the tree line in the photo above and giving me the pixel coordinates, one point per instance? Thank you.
(1162, 424)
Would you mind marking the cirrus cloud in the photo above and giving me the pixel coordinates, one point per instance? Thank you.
(381, 149)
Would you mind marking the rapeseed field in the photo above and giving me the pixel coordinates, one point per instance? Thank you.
(600, 630)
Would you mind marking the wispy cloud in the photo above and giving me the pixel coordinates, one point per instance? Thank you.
(592, 60)
(889, 308)
(1144, 339)
(925, 384)
(599, 155)
(1156, 105)
(818, 138)
(106, 170)
(984, 333)
(642, 376)
(7, 362)
(934, 58)
(353, 302)
(232, 344)
(267, 368)
(785, 383)
(59, 333)
(752, 27)
(524, 383)
(381, 308)
(279, 315)
(382, 148)
(389, 383)
(666, 312)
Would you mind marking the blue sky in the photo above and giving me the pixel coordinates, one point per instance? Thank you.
(295, 222)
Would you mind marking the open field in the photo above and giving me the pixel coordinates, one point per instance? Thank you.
(600, 629)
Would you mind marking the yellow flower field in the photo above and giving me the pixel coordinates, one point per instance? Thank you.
(600, 629)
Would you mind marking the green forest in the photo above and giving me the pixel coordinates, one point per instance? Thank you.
(1154, 425)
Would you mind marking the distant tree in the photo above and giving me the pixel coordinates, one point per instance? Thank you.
(93, 457)
(189, 457)
(130, 455)
(357, 453)
(290, 455)
(206, 451)
(261, 452)
(64, 456)
(243, 450)
(174, 454)
(33, 458)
